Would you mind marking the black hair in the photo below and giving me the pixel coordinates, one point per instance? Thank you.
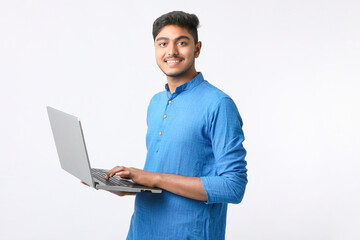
(186, 20)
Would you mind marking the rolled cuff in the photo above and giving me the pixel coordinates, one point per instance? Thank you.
(220, 189)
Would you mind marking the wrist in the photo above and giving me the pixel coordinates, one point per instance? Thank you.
(157, 180)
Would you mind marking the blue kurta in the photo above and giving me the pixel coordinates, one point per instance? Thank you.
(196, 132)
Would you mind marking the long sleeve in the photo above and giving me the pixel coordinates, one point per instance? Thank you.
(228, 184)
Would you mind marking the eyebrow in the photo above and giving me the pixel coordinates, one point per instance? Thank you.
(176, 39)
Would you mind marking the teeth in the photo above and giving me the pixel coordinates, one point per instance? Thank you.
(173, 61)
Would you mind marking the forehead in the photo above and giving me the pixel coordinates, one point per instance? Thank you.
(173, 31)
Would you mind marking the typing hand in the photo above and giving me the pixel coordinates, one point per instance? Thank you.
(142, 177)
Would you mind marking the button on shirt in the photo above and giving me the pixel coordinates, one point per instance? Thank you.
(195, 132)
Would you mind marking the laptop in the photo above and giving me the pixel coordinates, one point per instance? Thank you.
(71, 149)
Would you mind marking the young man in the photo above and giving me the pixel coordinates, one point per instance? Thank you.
(194, 141)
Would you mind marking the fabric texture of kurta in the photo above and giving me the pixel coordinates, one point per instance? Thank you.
(196, 132)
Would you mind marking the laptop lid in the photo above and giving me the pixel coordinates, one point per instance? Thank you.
(70, 144)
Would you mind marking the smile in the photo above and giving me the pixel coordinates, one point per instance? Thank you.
(173, 60)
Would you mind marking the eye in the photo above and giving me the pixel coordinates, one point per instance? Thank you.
(162, 44)
(182, 43)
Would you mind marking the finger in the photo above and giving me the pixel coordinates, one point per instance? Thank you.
(110, 173)
(85, 183)
(113, 171)
(119, 193)
(123, 174)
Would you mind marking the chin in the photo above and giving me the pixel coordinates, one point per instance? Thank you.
(175, 74)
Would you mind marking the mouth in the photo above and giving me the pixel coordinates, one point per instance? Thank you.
(173, 61)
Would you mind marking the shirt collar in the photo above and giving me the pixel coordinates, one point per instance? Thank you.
(188, 85)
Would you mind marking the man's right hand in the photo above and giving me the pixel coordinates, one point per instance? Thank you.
(119, 193)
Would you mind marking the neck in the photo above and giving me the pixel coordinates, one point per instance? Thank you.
(174, 82)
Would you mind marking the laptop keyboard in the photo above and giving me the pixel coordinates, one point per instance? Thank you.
(100, 174)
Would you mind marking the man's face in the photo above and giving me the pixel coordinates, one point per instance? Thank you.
(175, 51)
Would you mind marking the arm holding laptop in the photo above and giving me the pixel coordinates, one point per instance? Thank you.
(227, 187)
(190, 187)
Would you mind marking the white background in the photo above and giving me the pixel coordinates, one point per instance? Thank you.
(292, 67)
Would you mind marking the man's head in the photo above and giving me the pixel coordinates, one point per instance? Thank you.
(176, 44)
(185, 20)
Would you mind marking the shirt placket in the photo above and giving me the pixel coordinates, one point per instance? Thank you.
(164, 124)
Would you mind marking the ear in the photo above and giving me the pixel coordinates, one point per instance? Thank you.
(197, 49)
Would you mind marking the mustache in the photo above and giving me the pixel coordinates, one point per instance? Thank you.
(173, 57)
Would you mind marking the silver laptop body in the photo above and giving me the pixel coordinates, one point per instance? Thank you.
(71, 148)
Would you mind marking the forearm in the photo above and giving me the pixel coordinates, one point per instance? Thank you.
(190, 187)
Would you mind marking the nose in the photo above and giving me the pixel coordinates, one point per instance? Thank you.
(173, 50)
